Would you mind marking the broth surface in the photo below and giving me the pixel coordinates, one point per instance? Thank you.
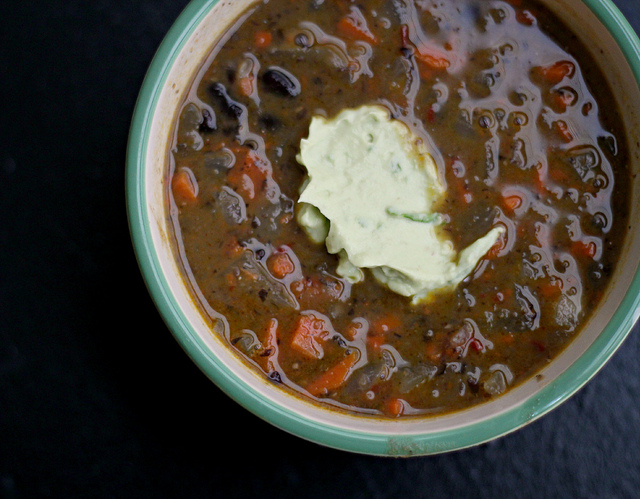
(525, 133)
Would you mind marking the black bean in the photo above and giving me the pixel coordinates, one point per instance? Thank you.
(280, 82)
(406, 52)
(225, 103)
(208, 123)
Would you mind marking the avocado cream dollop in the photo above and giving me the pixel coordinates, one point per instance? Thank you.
(370, 194)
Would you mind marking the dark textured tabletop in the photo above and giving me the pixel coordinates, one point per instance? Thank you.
(96, 397)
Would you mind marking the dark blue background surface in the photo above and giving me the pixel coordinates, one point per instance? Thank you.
(96, 397)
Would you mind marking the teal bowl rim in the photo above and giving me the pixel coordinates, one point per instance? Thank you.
(546, 399)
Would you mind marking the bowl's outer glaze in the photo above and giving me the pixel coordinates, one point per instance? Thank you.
(186, 46)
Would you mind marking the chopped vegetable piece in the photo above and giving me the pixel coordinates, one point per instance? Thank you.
(584, 249)
(557, 72)
(512, 202)
(185, 186)
(280, 265)
(395, 407)
(248, 175)
(354, 26)
(263, 39)
(432, 58)
(334, 377)
(246, 85)
(309, 332)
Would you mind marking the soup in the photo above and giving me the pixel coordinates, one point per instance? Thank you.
(525, 136)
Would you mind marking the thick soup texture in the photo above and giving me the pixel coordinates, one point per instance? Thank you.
(525, 134)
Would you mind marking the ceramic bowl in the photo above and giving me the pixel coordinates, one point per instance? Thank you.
(615, 47)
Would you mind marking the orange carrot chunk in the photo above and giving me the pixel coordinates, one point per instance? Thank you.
(263, 39)
(395, 407)
(584, 249)
(246, 85)
(557, 72)
(247, 177)
(512, 202)
(432, 57)
(356, 29)
(185, 186)
(308, 333)
(563, 99)
(334, 377)
(280, 265)
(564, 131)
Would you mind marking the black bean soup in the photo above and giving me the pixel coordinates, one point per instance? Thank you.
(525, 132)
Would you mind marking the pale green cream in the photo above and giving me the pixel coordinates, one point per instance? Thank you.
(369, 196)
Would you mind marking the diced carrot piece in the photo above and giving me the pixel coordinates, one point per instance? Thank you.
(356, 29)
(248, 175)
(395, 407)
(584, 249)
(433, 58)
(185, 186)
(512, 202)
(280, 265)
(334, 377)
(563, 99)
(314, 291)
(564, 131)
(246, 85)
(263, 39)
(557, 72)
(308, 333)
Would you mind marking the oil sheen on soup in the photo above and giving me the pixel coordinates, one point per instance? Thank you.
(525, 136)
